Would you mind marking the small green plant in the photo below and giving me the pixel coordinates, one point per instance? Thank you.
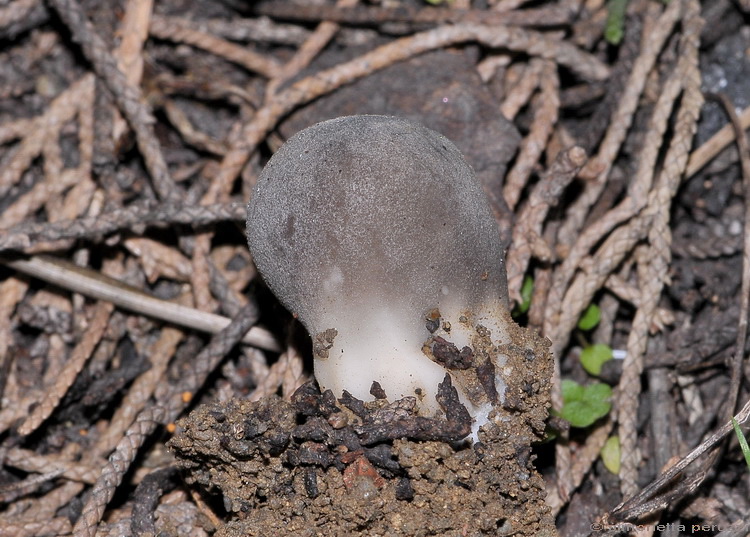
(594, 356)
(615, 26)
(610, 454)
(590, 318)
(583, 405)
(527, 289)
(743, 441)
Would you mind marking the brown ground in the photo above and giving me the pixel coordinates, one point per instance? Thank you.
(314, 467)
(90, 391)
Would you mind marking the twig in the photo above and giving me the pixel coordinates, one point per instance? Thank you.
(171, 401)
(637, 190)
(260, 29)
(312, 87)
(735, 376)
(140, 392)
(520, 93)
(546, 194)
(78, 357)
(714, 145)
(598, 168)
(29, 461)
(653, 266)
(93, 284)
(62, 109)
(316, 42)
(134, 216)
(640, 505)
(129, 53)
(370, 15)
(546, 106)
(183, 31)
(128, 97)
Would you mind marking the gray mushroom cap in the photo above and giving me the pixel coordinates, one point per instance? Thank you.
(370, 222)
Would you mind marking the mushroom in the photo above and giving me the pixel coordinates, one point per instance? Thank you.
(376, 234)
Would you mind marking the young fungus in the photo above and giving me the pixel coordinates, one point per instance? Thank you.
(375, 232)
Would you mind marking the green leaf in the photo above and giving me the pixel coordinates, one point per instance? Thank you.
(590, 318)
(583, 405)
(743, 441)
(594, 356)
(526, 291)
(615, 25)
(611, 454)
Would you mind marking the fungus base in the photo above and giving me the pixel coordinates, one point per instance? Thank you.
(317, 466)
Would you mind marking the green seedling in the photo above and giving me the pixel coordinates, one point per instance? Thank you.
(583, 405)
(526, 290)
(610, 454)
(590, 318)
(594, 356)
(615, 26)
(743, 441)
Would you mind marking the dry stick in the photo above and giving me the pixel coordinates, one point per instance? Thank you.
(56, 526)
(312, 87)
(47, 506)
(621, 241)
(129, 53)
(93, 284)
(12, 491)
(627, 52)
(171, 401)
(41, 193)
(546, 194)
(735, 377)
(12, 291)
(654, 266)
(189, 133)
(640, 504)
(78, 358)
(257, 29)
(62, 109)
(546, 107)
(714, 145)
(598, 168)
(135, 216)
(557, 312)
(15, 129)
(586, 456)
(16, 11)
(640, 186)
(312, 46)
(158, 260)
(30, 461)
(180, 30)
(201, 274)
(521, 92)
(370, 15)
(128, 97)
(139, 394)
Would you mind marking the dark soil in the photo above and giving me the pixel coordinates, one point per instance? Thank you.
(317, 466)
(91, 395)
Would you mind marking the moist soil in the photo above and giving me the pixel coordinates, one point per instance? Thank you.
(326, 467)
